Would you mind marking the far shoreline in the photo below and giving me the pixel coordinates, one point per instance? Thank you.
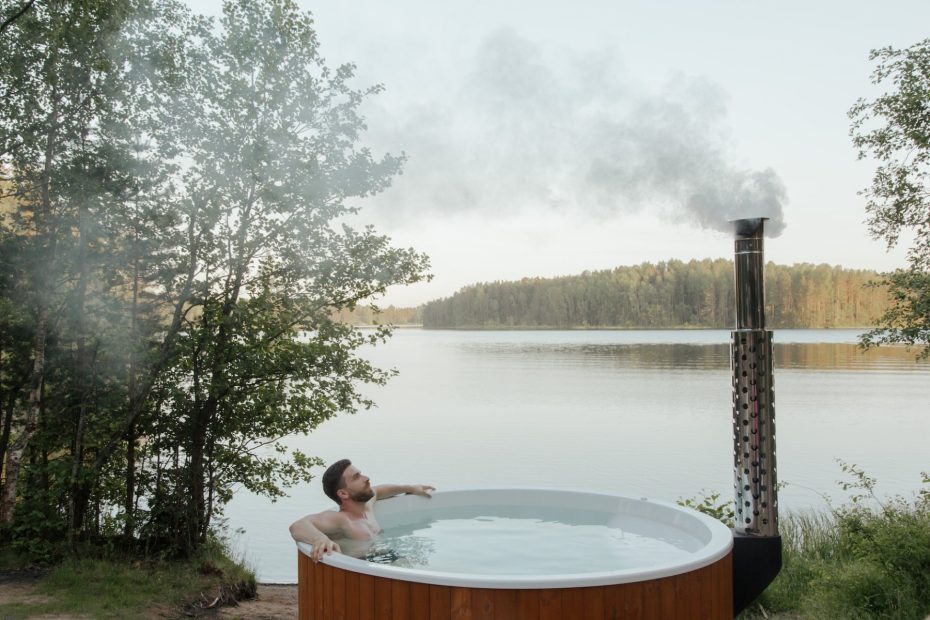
(509, 328)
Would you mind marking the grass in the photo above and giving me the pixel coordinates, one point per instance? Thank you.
(866, 561)
(112, 588)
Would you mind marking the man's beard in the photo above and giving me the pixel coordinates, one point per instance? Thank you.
(363, 496)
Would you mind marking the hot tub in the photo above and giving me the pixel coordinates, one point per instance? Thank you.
(695, 583)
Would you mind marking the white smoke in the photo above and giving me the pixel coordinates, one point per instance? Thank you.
(527, 128)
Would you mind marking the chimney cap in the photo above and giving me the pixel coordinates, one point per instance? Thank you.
(749, 227)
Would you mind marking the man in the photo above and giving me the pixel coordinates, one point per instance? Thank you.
(355, 521)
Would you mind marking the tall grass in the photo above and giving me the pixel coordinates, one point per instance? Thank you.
(866, 560)
(110, 587)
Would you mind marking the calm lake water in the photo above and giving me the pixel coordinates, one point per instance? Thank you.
(641, 413)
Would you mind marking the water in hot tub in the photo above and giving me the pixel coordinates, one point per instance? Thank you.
(530, 541)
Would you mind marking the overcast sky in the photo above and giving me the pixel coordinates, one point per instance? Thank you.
(549, 137)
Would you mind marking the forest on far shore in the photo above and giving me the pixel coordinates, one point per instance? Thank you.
(669, 294)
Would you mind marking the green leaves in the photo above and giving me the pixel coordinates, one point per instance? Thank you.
(180, 190)
(894, 130)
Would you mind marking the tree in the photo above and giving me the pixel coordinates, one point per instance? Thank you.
(894, 129)
(87, 141)
(174, 247)
(55, 79)
(274, 160)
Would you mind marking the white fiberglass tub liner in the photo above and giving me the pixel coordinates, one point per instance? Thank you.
(709, 540)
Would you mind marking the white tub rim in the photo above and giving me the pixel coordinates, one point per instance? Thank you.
(718, 546)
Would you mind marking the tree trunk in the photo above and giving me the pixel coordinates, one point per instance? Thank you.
(129, 506)
(14, 456)
(12, 396)
(75, 516)
(45, 239)
(7, 424)
(195, 506)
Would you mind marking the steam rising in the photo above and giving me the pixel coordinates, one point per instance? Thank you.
(526, 129)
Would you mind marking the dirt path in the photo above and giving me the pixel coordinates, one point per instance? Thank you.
(272, 603)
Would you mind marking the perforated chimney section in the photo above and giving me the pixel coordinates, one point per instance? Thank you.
(753, 396)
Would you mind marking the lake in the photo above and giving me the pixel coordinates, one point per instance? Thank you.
(634, 412)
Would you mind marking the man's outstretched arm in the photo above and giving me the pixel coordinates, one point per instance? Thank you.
(315, 530)
(384, 491)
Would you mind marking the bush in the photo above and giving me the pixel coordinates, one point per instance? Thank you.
(869, 559)
(861, 589)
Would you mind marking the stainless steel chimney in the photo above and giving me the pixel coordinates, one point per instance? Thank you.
(753, 398)
(756, 541)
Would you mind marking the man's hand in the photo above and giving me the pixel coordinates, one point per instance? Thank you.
(384, 491)
(421, 489)
(322, 547)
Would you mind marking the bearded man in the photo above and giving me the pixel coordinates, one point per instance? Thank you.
(355, 520)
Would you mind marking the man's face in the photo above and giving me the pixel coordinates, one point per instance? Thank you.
(357, 485)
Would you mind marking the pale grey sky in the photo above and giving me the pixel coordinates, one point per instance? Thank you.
(546, 138)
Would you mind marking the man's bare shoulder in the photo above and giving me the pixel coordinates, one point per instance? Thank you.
(330, 517)
(329, 522)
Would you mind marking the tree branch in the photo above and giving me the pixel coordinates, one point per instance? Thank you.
(9, 21)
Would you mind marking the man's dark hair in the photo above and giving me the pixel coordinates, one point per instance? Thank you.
(332, 479)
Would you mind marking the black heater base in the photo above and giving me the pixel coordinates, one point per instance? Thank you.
(756, 562)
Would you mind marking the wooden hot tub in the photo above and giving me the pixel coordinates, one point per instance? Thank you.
(698, 587)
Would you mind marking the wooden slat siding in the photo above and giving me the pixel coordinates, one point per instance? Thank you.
(667, 597)
(352, 595)
(303, 587)
(709, 594)
(339, 593)
(651, 593)
(573, 603)
(594, 602)
(725, 587)
(612, 604)
(383, 603)
(710, 603)
(527, 604)
(631, 599)
(505, 604)
(327, 593)
(686, 604)
(671, 602)
(460, 603)
(701, 599)
(482, 604)
(550, 604)
(693, 592)
(440, 602)
(366, 597)
(419, 601)
(316, 595)
(328, 571)
(400, 600)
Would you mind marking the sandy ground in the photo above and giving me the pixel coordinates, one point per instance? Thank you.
(271, 603)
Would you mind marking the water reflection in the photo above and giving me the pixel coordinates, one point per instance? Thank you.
(823, 356)
(601, 410)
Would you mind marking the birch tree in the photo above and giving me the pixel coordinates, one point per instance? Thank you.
(893, 129)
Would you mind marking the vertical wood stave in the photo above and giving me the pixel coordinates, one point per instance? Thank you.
(366, 597)
(419, 601)
(326, 592)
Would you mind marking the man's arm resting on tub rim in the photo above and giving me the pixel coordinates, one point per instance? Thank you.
(384, 491)
(316, 529)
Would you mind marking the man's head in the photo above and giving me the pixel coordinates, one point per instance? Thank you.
(343, 481)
